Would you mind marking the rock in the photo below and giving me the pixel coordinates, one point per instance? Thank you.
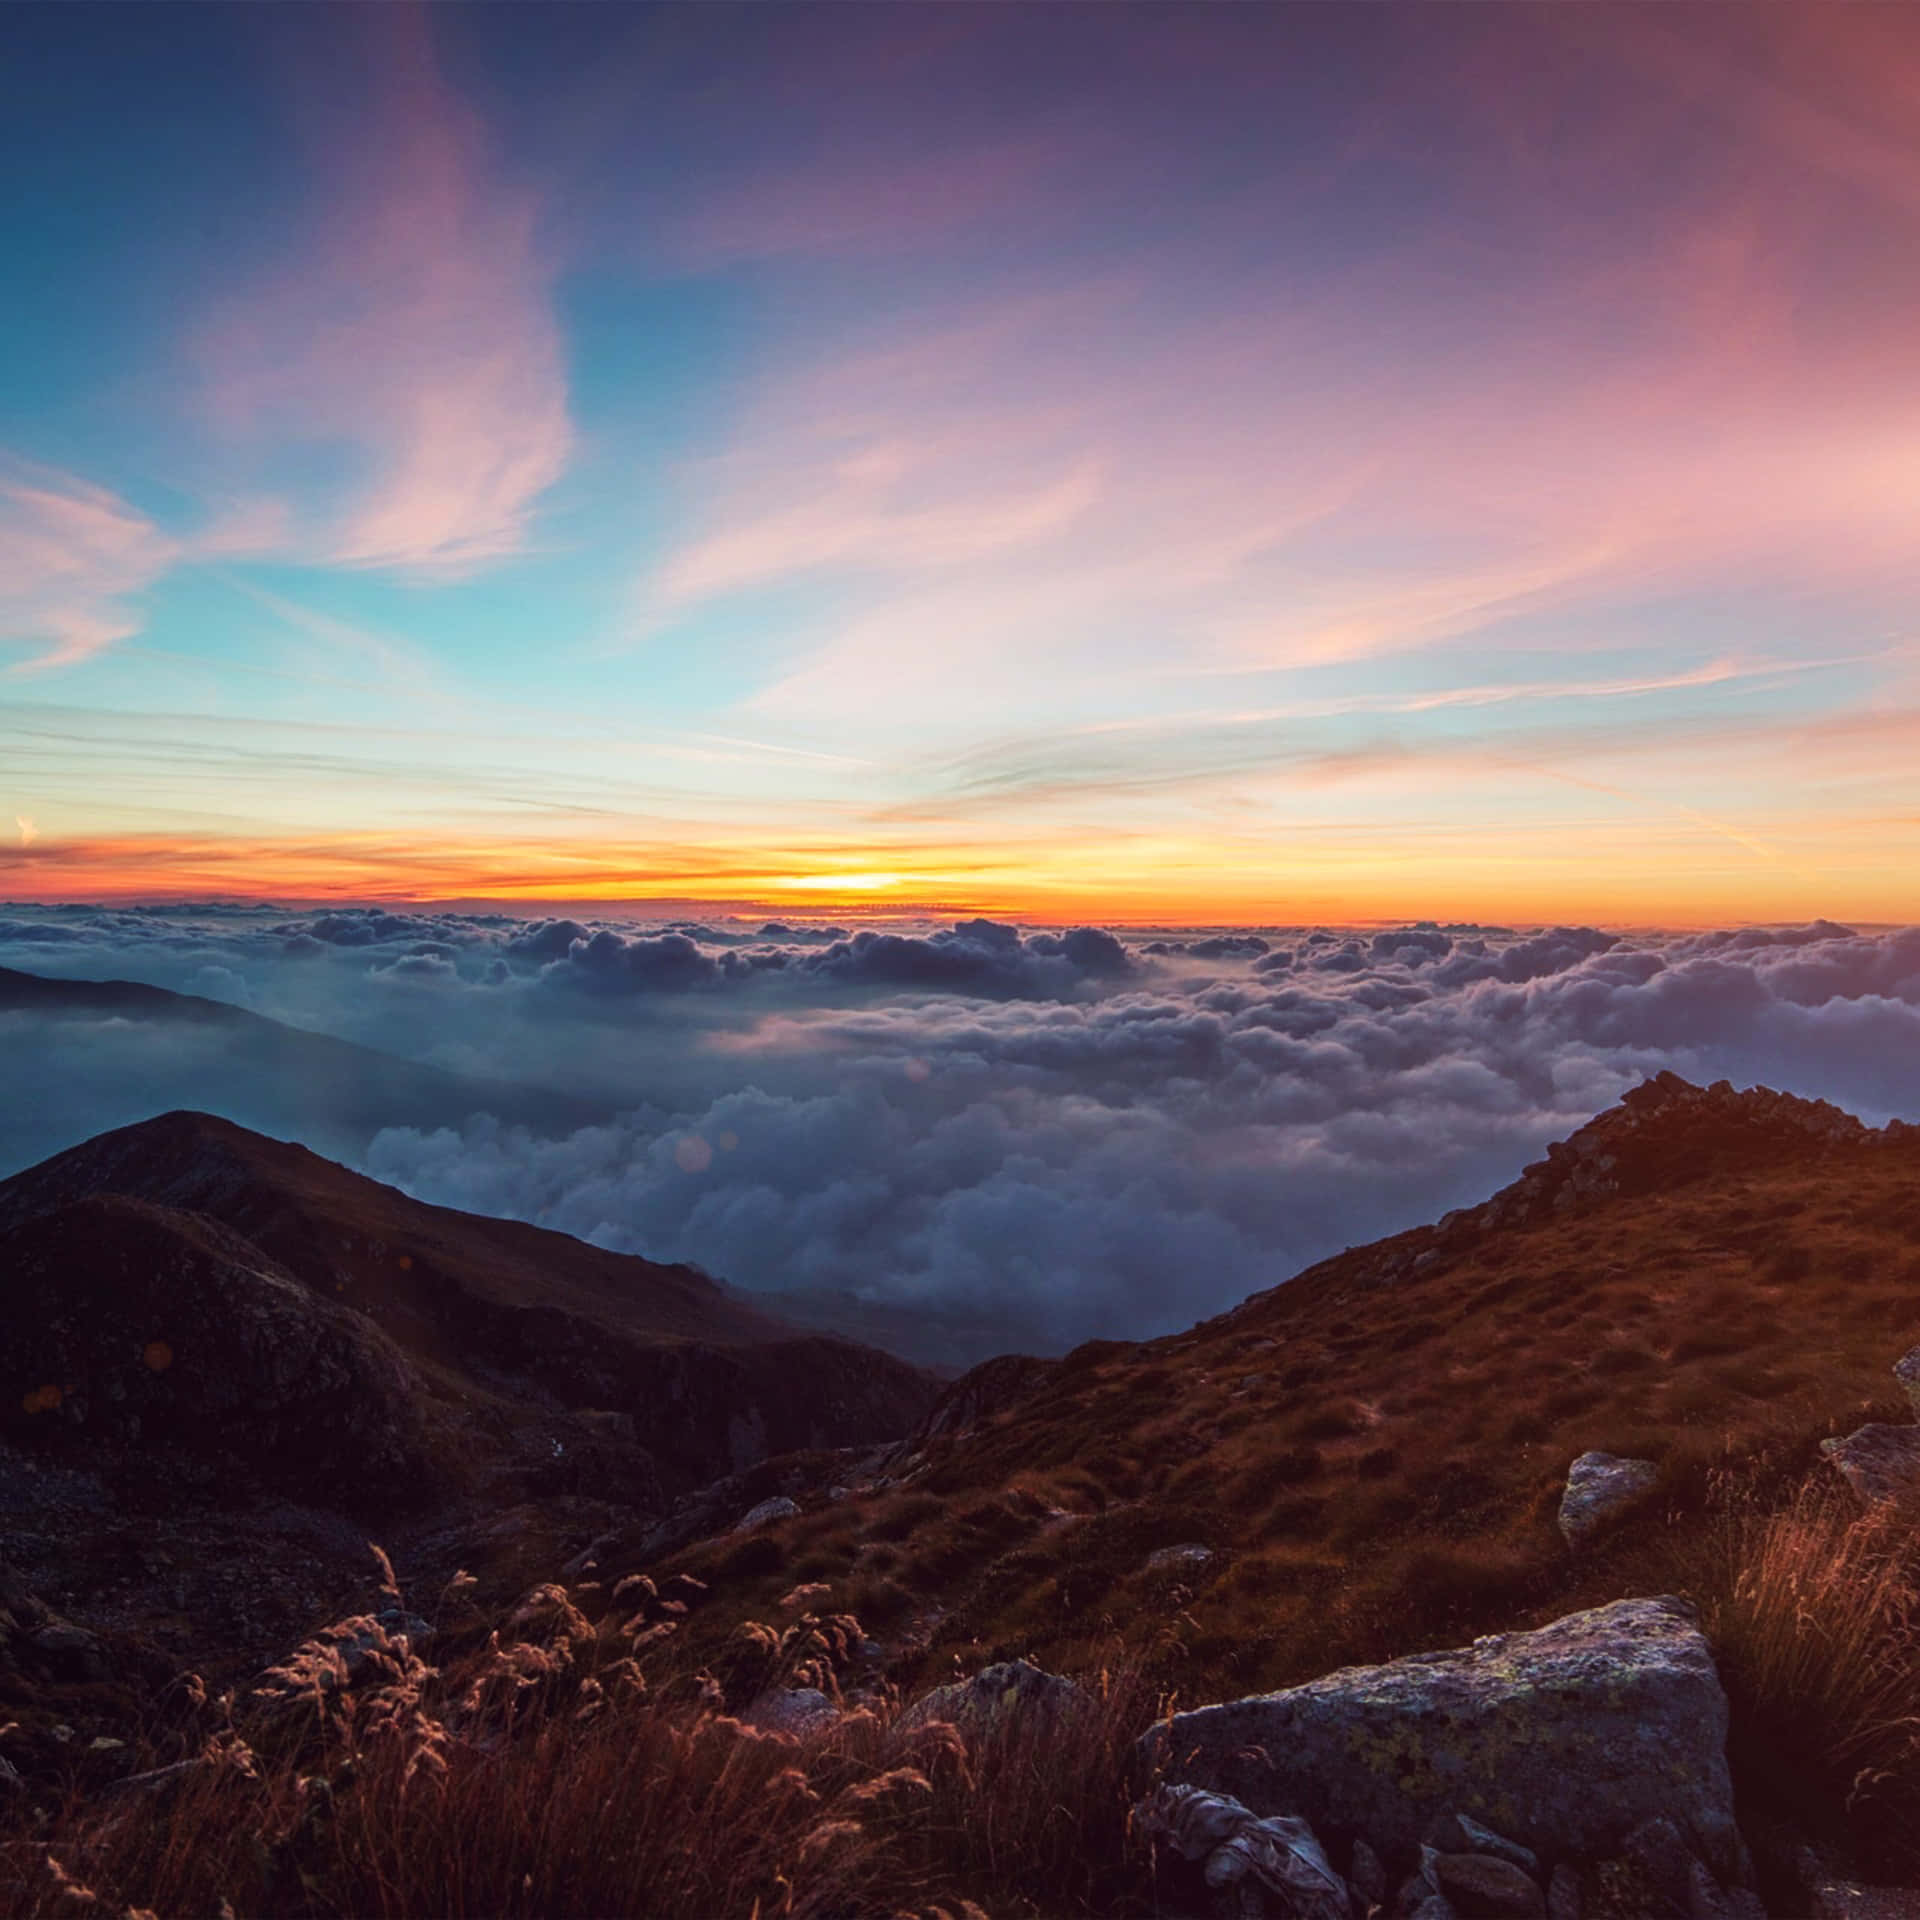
(766, 1513)
(994, 1692)
(1563, 1894)
(1708, 1900)
(1662, 1859)
(356, 1648)
(1482, 1884)
(156, 1783)
(1565, 1739)
(1436, 1906)
(1368, 1877)
(1601, 1488)
(1278, 1854)
(1907, 1371)
(795, 1710)
(1189, 1558)
(1881, 1464)
(1458, 1833)
(10, 1781)
(72, 1652)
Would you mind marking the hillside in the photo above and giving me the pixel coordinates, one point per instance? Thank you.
(1366, 1462)
(199, 1321)
(1371, 1457)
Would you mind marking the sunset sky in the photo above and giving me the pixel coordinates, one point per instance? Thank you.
(1116, 463)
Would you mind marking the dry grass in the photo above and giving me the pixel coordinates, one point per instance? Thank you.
(551, 1772)
(1815, 1620)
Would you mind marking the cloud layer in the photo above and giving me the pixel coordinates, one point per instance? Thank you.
(1069, 1135)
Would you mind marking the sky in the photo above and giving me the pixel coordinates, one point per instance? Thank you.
(1081, 464)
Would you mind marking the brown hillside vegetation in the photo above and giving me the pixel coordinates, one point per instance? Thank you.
(1365, 1462)
(1373, 1454)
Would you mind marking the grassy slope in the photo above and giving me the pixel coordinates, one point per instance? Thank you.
(1375, 1452)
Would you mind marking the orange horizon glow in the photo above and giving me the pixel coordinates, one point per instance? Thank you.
(1185, 884)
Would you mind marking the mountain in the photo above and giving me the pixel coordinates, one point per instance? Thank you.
(94, 1050)
(1371, 1457)
(222, 1358)
(197, 1320)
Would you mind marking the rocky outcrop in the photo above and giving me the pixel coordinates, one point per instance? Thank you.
(1564, 1740)
(1601, 1489)
(1880, 1463)
(780, 1507)
(979, 1395)
(1013, 1687)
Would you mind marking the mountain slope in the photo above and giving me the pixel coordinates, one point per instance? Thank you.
(522, 1338)
(156, 1048)
(1370, 1458)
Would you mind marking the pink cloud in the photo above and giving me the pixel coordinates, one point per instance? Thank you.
(414, 326)
(71, 556)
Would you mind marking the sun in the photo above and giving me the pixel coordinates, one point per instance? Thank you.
(854, 882)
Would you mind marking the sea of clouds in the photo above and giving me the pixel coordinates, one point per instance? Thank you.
(1055, 1135)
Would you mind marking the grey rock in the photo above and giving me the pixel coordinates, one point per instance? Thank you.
(1278, 1855)
(1187, 1558)
(1460, 1833)
(1601, 1488)
(1368, 1877)
(766, 1513)
(72, 1651)
(795, 1710)
(156, 1783)
(1662, 1858)
(1708, 1900)
(1907, 1371)
(1565, 1739)
(1482, 1884)
(1436, 1906)
(1563, 1894)
(1012, 1686)
(1880, 1463)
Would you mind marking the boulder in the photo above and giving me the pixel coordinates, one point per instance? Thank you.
(1368, 1877)
(795, 1710)
(1187, 1558)
(1459, 1833)
(766, 1513)
(1907, 1371)
(1482, 1883)
(1011, 1686)
(1277, 1855)
(1601, 1488)
(1565, 1739)
(1879, 1463)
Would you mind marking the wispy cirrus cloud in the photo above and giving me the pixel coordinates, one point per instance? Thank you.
(412, 325)
(73, 559)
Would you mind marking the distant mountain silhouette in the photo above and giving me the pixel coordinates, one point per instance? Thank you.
(204, 1053)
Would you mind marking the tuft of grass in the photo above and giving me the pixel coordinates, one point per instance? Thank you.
(1814, 1613)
